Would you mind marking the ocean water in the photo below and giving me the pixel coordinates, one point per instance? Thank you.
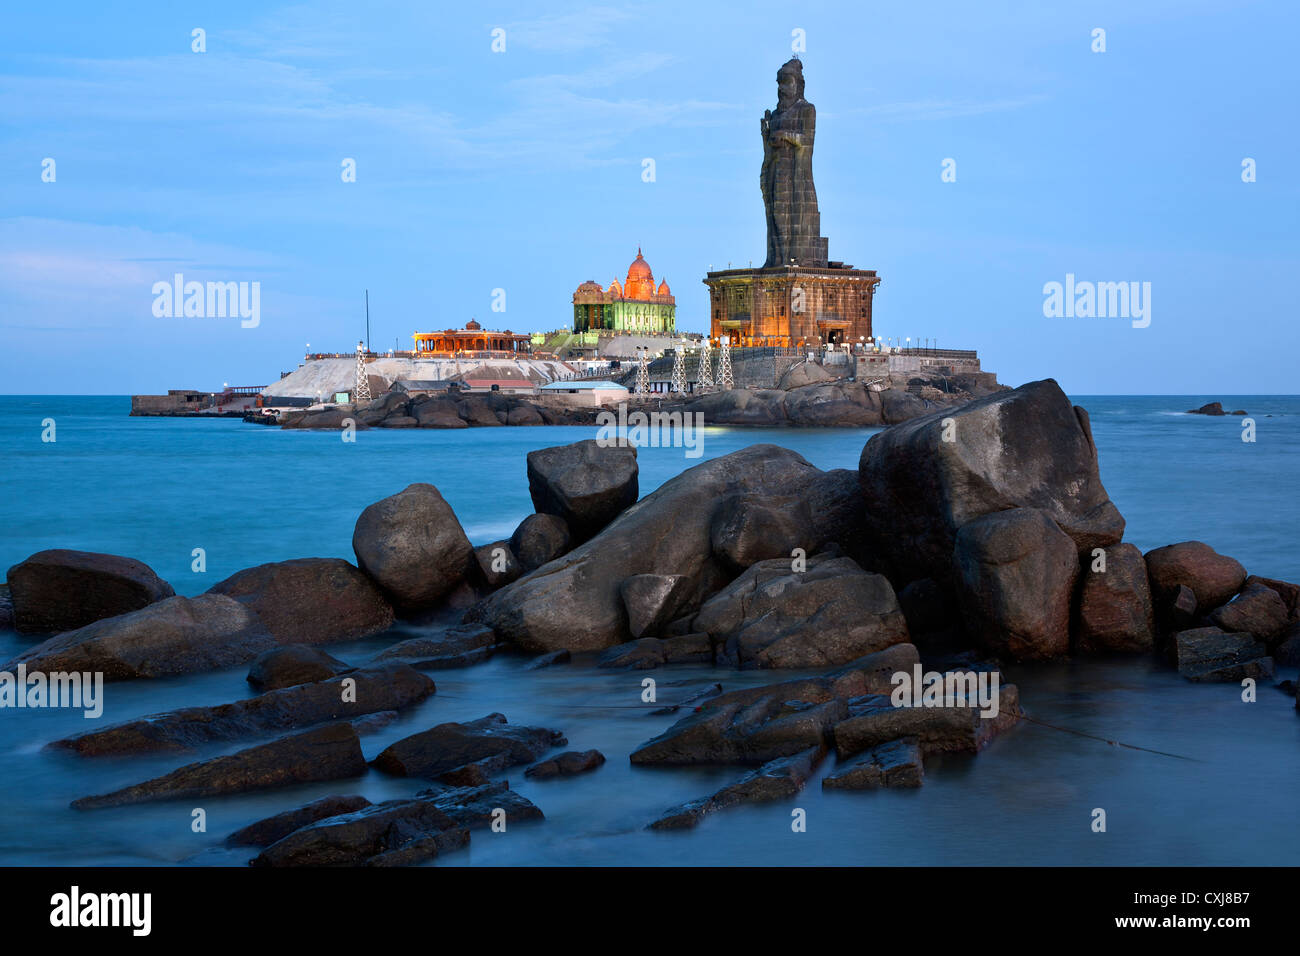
(156, 489)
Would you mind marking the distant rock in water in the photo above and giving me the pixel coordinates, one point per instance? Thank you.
(59, 590)
(1213, 408)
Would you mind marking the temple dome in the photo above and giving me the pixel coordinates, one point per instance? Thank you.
(663, 288)
(640, 280)
(615, 288)
(472, 325)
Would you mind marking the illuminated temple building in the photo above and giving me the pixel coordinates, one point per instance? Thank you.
(472, 338)
(634, 306)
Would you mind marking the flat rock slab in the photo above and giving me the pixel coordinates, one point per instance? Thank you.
(61, 590)
(268, 831)
(778, 779)
(449, 746)
(1208, 654)
(332, 752)
(941, 729)
(458, 646)
(895, 764)
(566, 764)
(376, 689)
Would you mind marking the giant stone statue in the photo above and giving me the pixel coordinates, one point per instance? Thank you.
(793, 222)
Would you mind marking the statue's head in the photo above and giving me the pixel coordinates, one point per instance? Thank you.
(789, 82)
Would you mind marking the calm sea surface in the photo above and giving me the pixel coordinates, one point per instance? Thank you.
(156, 489)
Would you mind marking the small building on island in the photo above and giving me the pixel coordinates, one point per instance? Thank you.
(472, 339)
(587, 393)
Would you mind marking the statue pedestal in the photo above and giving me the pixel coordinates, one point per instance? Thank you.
(791, 306)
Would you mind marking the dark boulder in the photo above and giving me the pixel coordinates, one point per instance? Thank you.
(176, 635)
(576, 601)
(524, 415)
(498, 563)
(310, 600)
(539, 539)
(898, 405)
(734, 730)
(291, 665)
(741, 406)
(566, 764)
(1212, 577)
(830, 613)
(587, 484)
(54, 591)
(268, 831)
(331, 752)
(1258, 609)
(1016, 573)
(1209, 408)
(1114, 610)
(1287, 651)
(451, 745)
(331, 418)
(1027, 448)
(409, 831)
(413, 547)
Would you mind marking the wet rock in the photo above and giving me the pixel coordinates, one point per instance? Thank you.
(566, 764)
(548, 660)
(1115, 611)
(944, 729)
(331, 752)
(399, 421)
(1209, 408)
(539, 539)
(452, 745)
(898, 405)
(413, 547)
(1179, 609)
(474, 807)
(6, 608)
(733, 731)
(1288, 592)
(584, 483)
(894, 764)
(1016, 573)
(1023, 448)
(456, 646)
(1258, 609)
(805, 373)
(310, 600)
(477, 410)
(174, 636)
(393, 832)
(498, 563)
(742, 406)
(828, 614)
(58, 590)
(644, 654)
(332, 418)
(747, 529)
(778, 779)
(576, 601)
(374, 689)
(709, 692)
(653, 600)
(1287, 651)
(524, 415)
(293, 664)
(268, 831)
(837, 510)
(932, 612)
(1207, 654)
(1212, 577)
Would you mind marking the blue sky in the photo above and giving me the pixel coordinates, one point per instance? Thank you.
(522, 171)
